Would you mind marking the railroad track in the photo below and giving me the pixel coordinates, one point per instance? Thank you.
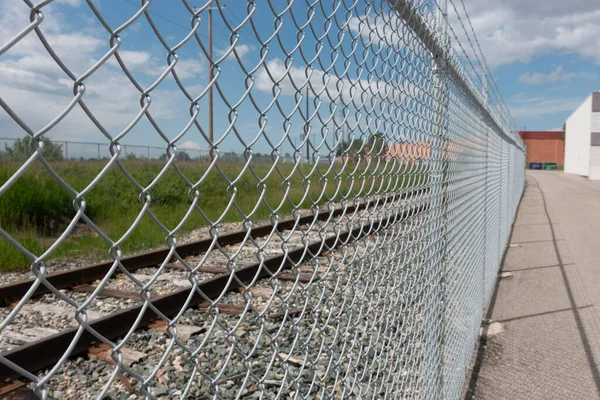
(179, 293)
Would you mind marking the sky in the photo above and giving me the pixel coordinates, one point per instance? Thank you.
(543, 54)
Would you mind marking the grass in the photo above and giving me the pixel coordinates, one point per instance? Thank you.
(36, 208)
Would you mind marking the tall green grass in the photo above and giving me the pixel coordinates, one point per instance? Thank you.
(36, 209)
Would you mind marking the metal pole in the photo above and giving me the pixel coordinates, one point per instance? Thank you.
(314, 155)
(501, 196)
(67, 150)
(486, 260)
(486, 244)
(439, 198)
(148, 152)
(306, 136)
(210, 89)
(98, 150)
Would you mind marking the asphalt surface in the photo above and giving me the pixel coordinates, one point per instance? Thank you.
(548, 308)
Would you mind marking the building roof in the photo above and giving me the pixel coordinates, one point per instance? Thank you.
(542, 135)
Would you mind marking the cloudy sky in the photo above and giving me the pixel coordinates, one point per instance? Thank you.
(544, 55)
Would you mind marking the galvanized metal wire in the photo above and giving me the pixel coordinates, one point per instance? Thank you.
(373, 99)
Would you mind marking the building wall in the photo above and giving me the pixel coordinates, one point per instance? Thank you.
(578, 139)
(595, 138)
(548, 148)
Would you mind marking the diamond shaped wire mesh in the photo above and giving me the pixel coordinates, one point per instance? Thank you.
(379, 121)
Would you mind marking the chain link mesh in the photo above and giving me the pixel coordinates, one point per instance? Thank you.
(376, 102)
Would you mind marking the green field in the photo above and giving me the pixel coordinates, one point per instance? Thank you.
(36, 209)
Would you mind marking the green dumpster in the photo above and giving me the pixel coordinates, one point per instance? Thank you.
(550, 166)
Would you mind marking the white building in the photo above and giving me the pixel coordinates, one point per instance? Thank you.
(582, 139)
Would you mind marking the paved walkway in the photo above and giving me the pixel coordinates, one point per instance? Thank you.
(550, 306)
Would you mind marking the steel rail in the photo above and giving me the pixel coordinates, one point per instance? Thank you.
(47, 351)
(70, 278)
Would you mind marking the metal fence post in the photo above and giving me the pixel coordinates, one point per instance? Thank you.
(444, 127)
(486, 260)
(438, 206)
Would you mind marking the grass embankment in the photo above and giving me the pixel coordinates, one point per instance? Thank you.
(36, 209)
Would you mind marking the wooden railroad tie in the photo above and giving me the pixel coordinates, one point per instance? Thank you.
(120, 294)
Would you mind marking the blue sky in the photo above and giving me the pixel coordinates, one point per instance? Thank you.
(545, 91)
(543, 54)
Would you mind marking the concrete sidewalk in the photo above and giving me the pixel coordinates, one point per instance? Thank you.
(550, 346)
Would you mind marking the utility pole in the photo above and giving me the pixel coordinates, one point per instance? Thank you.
(211, 74)
(210, 89)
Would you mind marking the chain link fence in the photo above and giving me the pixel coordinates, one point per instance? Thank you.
(374, 126)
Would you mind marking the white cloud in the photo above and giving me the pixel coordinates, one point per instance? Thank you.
(379, 28)
(189, 145)
(538, 107)
(240, 49)
(330, 86)
(132, 59)
(516, 30)
(72, 3)
(147, 64)
(508, 30)
(187, 68)
(537, 78)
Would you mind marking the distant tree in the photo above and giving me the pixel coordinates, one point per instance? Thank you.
(181, 156)
(350, 147)
(375, 145)
(21, 149)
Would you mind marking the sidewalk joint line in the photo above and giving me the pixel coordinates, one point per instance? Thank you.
(533, 268)
(531, 224)
(541, 241)
(541, 314)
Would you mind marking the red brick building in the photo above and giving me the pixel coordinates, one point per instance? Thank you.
(545, 146)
